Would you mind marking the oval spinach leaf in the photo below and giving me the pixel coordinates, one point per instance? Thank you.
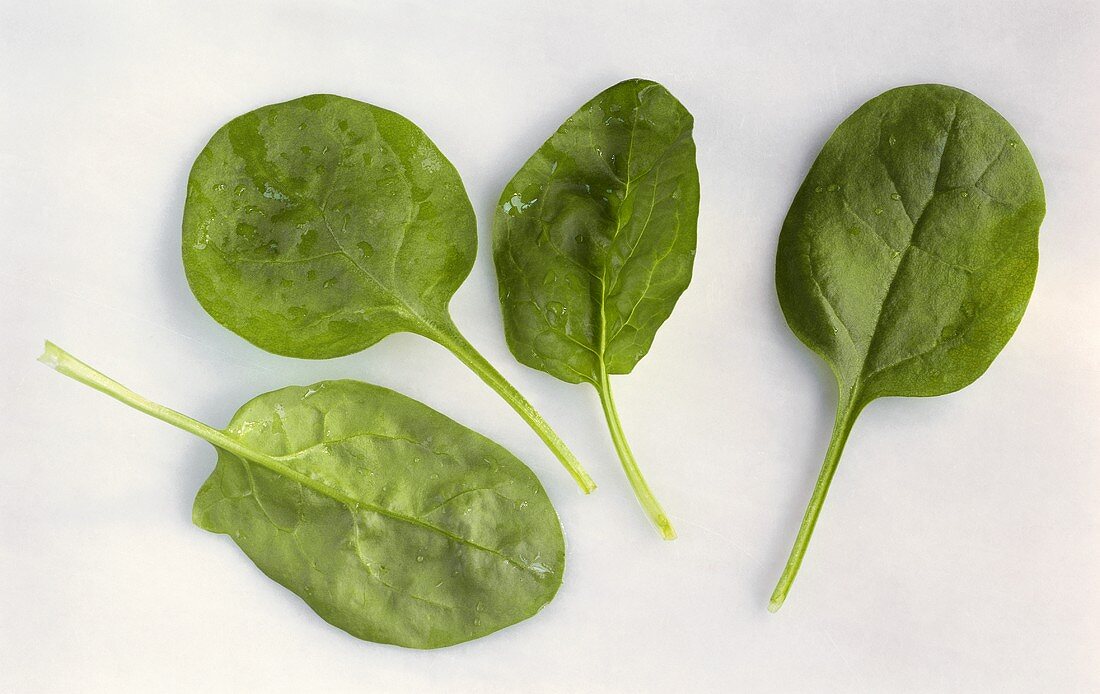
(908, 255)
(393, 522)
(315, 228)
(594, 240)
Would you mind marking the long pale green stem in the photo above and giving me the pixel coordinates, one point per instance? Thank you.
(630, 465)
(845, 418)
(67, 364)
(449, 336)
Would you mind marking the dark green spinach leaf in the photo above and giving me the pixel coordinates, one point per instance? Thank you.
(594, 240)
(908, 255)
(393, 522)
(316, 227)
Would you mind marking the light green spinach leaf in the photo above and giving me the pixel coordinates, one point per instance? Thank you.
(393, 522)
(594, 240)
(908, 255)
(315, 228)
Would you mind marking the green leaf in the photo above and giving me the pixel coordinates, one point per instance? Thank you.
(594, 240)
(908, 255)
(315, 228)
(393, 522)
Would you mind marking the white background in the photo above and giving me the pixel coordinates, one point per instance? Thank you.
(959, 549)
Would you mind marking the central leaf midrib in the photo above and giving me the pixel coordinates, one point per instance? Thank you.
(619, 225)
(904, 253)
(277, 466)
(323, 208)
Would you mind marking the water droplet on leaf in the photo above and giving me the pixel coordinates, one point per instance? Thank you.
(555, 312)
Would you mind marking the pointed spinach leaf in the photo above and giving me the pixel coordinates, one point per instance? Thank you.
(594, 240)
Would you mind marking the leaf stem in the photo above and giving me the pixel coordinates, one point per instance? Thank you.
(67, 364)
(447, 334)
(847, 410)
(642, 491)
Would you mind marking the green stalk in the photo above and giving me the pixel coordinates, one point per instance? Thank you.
(645, 495)
(67, 364)
(847, 411)
(448, 335)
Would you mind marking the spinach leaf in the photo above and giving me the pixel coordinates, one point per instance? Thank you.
(316, 227)
(908, 255)
(594, 240)
(393, 522)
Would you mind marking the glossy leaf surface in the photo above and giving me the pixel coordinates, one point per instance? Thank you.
(393, 522)
(909, 253)
(594, 238)
(594, 241)
(315, 228)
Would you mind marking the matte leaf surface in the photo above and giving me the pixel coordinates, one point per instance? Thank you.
(594, 240)
(393, 522)
(315, 228)
(909, 254)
